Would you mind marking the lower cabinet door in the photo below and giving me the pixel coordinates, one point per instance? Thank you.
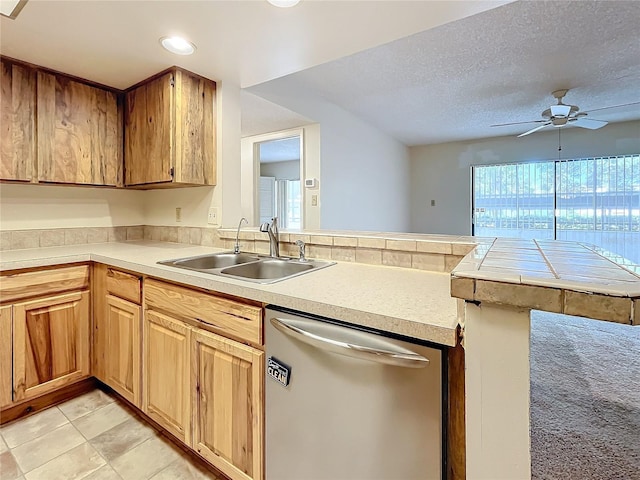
(50, 343)
(6, 376)
(228, 405)
(123, 348)
(165, 378)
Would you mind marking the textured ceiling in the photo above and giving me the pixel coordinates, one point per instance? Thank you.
(283, 150)
(452, 82)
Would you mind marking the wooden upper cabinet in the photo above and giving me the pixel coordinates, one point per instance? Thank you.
(79, 132)
(170, 130)
(17, 122)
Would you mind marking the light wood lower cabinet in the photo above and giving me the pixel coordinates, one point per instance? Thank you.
(166, 380)
(6, 384)
(228, 404)
(122, 332)
(50, 343)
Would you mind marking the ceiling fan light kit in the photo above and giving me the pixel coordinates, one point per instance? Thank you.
(561, 115)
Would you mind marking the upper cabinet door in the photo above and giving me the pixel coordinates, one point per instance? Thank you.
(195, 129)
(170, 131)
(149, 132)
(79, 132)
(17, 122)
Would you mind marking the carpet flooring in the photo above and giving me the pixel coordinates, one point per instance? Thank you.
(585, 399)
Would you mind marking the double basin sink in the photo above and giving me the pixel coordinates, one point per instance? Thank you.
(248, 266)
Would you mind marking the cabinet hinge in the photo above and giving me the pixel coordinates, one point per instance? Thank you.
(172, 81)
(171, 172)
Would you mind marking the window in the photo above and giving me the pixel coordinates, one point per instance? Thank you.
(595, 200)
(282, 199)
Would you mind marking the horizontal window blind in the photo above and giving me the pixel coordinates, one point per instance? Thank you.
(594, 200)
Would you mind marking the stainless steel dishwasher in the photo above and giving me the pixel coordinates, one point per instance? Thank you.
(349, 404)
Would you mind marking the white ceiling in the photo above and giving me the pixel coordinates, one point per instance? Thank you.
(417, 77)
(242, 41)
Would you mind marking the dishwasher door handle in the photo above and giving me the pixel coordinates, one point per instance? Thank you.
(365, 348)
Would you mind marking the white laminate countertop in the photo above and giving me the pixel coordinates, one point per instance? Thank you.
(404, 301)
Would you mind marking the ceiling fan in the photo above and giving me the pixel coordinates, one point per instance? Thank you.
(560, 115)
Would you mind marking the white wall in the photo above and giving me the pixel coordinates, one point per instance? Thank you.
(287, 170)
(194, 202)
(365, 173)
(442, 172)
(43, 206)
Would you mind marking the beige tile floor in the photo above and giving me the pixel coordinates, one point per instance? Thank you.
(92, 437)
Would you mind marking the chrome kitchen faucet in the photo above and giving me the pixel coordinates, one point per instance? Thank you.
(236, 248)
(272, 230)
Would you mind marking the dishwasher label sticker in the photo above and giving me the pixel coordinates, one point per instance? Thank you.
(278, 371)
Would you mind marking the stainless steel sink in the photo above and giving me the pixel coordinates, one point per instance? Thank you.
(213, 261)
(269, 269)
(247, 266)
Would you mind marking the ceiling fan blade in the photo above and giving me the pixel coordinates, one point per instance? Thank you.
(589, 123)
(517, 123)
(613, 106)
(534, 129)
(560, 110)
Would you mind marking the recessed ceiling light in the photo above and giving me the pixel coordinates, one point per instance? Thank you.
(284, 3)
(178, 45)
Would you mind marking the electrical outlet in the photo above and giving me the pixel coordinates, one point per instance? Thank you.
(314, 200)
(178, 214)
(212, 218)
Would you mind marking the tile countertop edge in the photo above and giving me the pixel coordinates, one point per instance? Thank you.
(612, 294)
(444, 331)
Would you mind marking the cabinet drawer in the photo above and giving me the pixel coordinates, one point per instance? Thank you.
(31, 284)
(222, 315)
(123, 285)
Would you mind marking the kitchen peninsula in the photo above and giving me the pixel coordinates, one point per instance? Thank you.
(500, 280)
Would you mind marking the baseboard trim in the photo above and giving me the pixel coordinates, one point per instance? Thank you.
(33, 405)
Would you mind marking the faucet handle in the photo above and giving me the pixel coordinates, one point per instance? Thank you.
(301, 245)
(264, 227)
